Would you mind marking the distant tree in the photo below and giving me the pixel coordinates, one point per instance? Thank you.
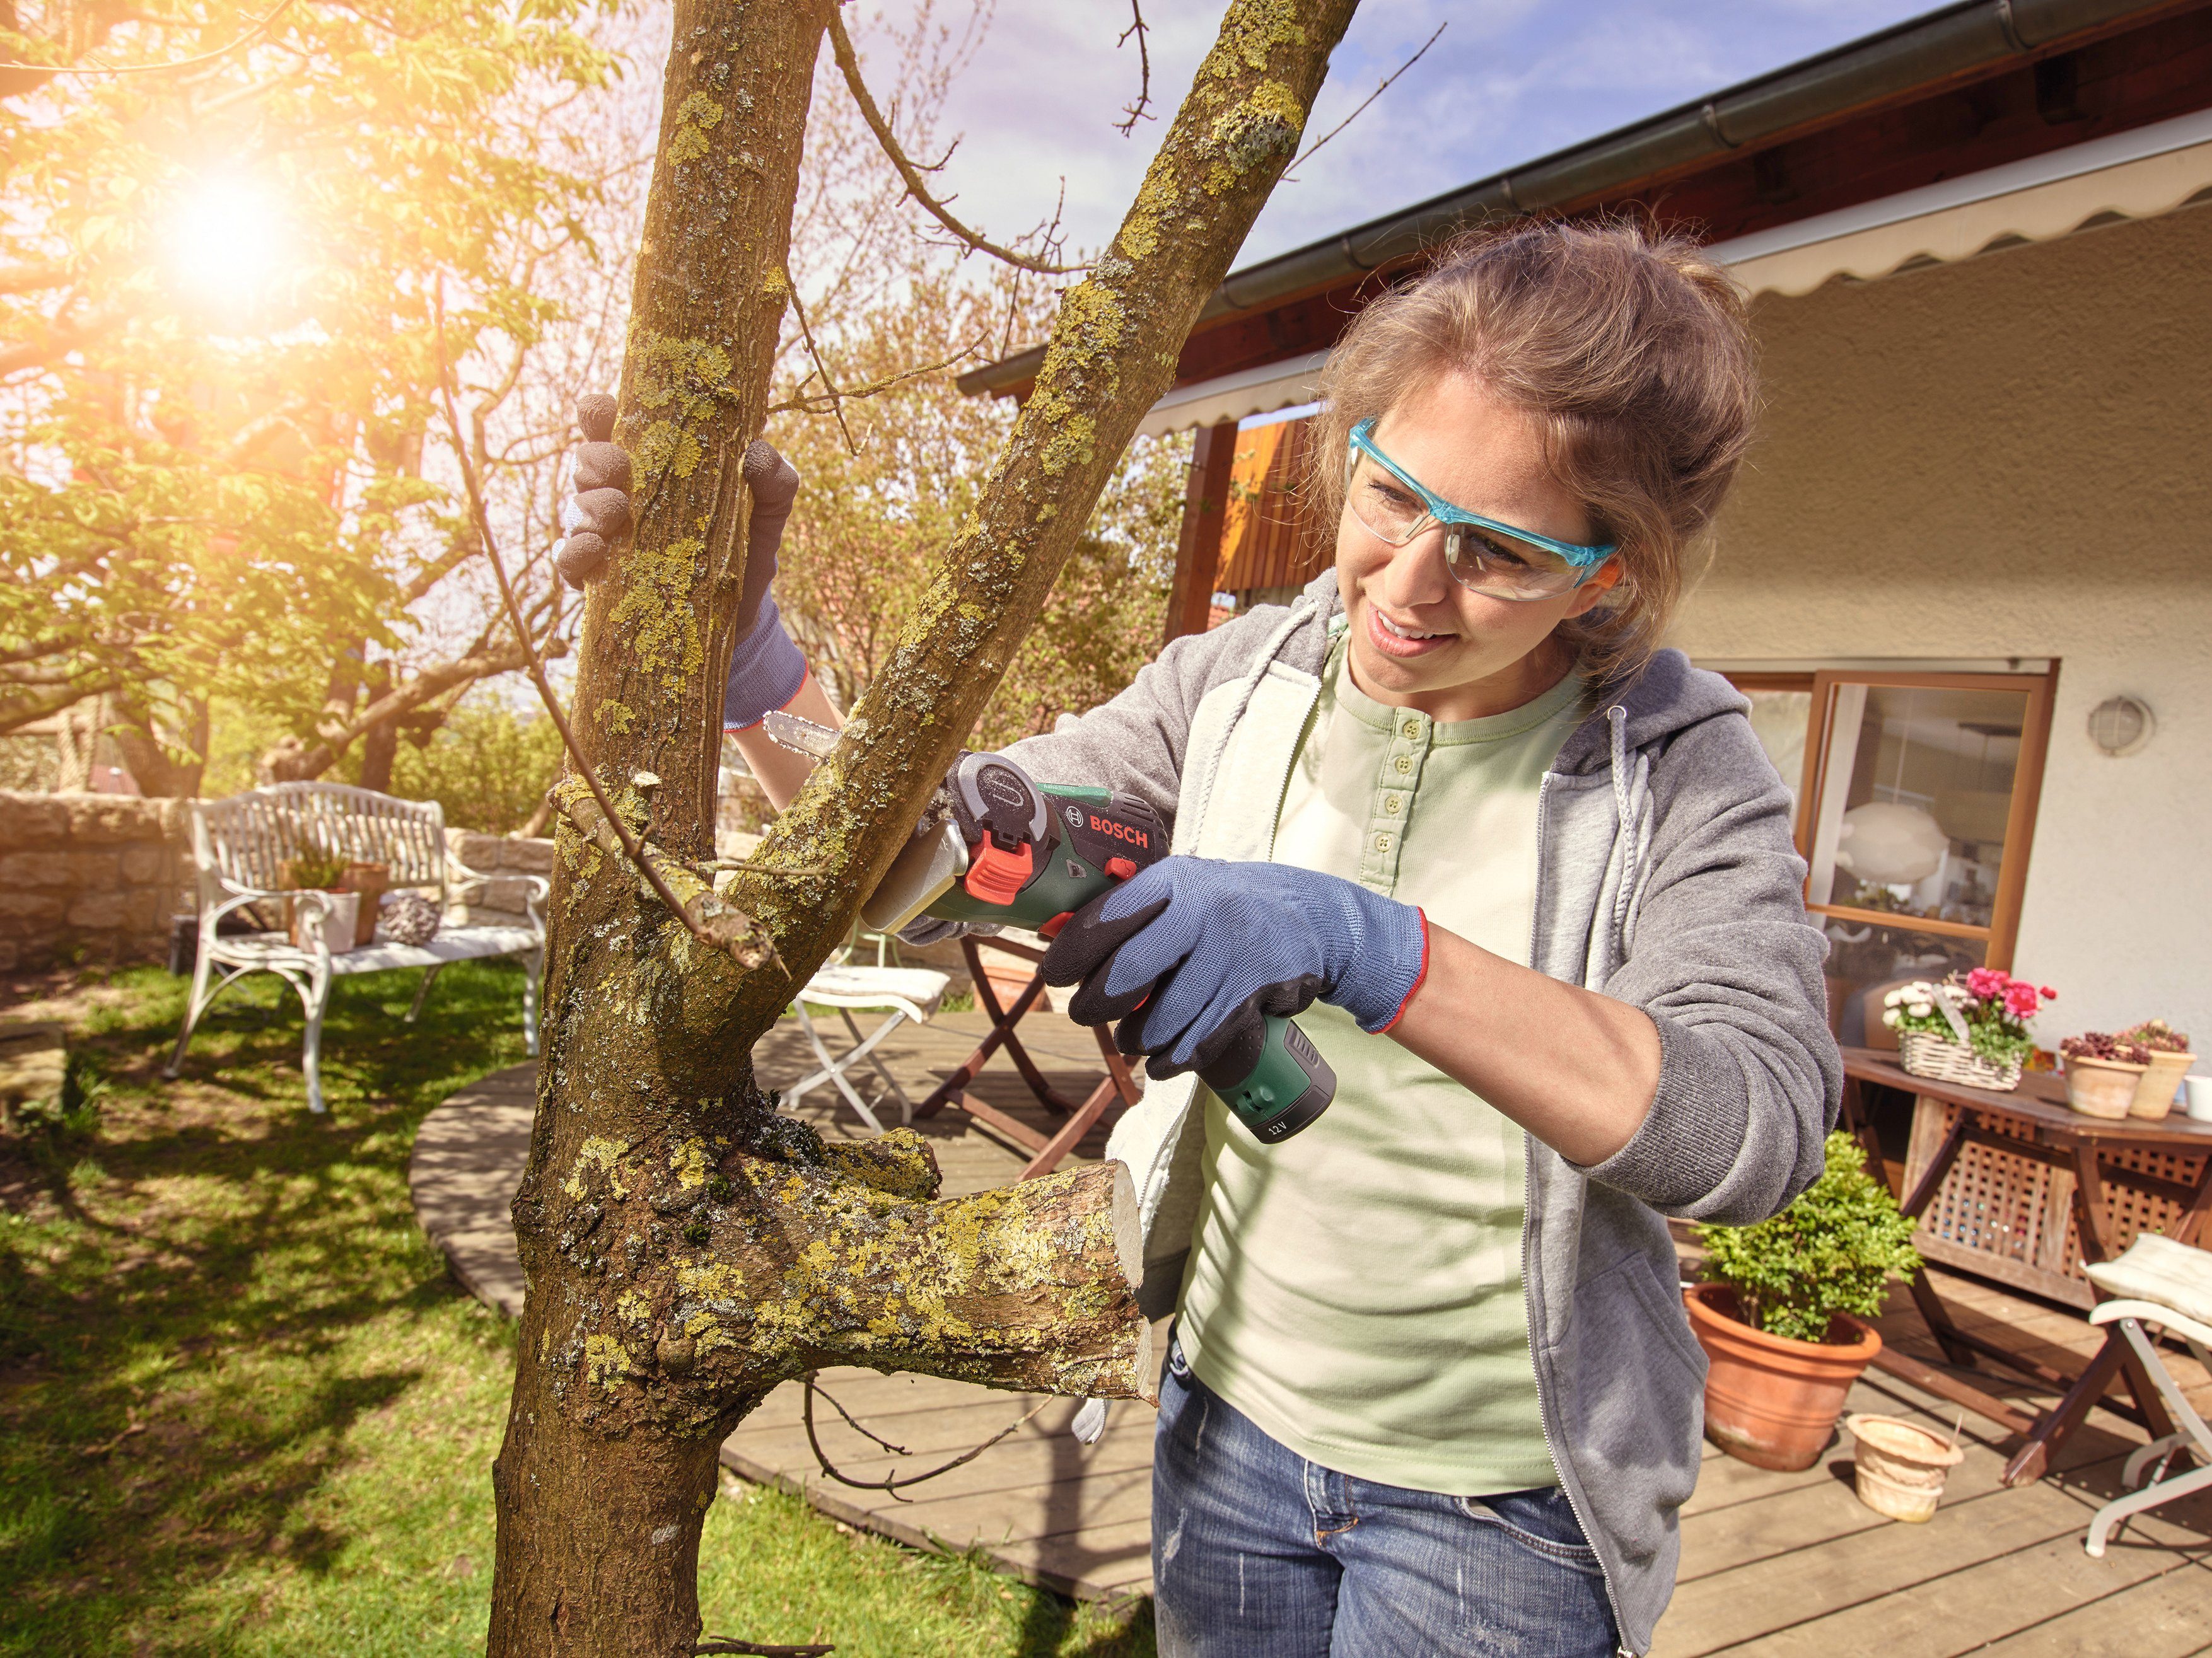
(489, 765)
(227, 234)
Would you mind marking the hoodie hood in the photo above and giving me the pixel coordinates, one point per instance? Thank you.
(1666, 696)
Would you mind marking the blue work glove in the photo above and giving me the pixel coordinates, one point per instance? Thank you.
(1189, 952)
(766, 669)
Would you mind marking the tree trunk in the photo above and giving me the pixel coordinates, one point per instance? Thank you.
(149, 761)
(686, 1248)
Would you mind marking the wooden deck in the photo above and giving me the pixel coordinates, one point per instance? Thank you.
(1771, 1564)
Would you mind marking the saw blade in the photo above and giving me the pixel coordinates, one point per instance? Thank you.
(800, 736)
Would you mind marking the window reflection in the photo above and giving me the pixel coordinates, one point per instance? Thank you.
(1916, 795)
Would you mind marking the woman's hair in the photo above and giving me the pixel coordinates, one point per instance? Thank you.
(1629, 348)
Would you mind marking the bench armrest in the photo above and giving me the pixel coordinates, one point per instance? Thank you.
(536, 889)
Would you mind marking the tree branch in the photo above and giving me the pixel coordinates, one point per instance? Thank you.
(1369, 99)
(1137, 112)
(910, 175)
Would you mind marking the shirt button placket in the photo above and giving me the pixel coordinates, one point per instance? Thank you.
(1392, 805)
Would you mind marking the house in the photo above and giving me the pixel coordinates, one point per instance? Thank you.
(1966, 576)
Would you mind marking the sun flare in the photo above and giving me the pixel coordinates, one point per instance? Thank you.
(226, 239)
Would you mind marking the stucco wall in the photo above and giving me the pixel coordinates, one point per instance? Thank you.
(2013, 456)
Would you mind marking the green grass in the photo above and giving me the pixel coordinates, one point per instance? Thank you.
(243, 1409)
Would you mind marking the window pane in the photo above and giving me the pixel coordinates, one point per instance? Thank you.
(1780, 719)
(1865, 960)
(1916, 794)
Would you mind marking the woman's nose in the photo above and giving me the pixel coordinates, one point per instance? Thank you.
(1416, 575)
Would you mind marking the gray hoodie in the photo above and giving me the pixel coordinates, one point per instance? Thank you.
(1666, 877)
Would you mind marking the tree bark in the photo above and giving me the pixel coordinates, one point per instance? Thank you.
(685, 1248)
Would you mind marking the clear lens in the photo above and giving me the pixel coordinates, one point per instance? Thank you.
(1484, 561)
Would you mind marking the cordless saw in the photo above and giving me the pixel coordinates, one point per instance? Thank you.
(996, 847)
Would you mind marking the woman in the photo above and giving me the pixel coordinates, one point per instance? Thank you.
(1431, 1389)
(1529, 882)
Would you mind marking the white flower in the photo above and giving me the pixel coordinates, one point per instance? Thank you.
(1894, 998)
(1893, 1018)
(1920, 1010)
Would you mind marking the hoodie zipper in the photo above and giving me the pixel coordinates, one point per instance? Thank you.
(1544, 1391)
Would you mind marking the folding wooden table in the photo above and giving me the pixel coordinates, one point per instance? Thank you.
(1046, 1151)
(2018, 1188)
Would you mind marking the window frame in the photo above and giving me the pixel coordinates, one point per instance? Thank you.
(1999, 937)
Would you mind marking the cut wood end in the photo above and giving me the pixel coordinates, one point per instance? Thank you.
(1128, 1230)
(1145, 1369)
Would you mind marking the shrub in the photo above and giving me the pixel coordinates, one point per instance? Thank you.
(1830, 1252)
(488, 766)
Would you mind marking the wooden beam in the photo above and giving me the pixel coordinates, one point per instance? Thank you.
(1205, 508)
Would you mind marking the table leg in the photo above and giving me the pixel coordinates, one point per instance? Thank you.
(2093, 1222)
(2033, 1460)
(1855, 1120)
(1932, 1310)
(2190, 1220)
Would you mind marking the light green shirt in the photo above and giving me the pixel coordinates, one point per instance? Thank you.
(1357, 1289)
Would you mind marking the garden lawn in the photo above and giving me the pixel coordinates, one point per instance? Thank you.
(243, 1409)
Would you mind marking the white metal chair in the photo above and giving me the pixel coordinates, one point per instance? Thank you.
(239, 846)
(899, 993)
(2161, 1282)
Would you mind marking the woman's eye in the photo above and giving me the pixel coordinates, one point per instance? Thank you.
(1492, 551)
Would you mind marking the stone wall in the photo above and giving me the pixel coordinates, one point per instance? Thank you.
(90, 877)
(95, 877)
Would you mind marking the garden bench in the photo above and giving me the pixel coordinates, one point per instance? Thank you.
(239, 847)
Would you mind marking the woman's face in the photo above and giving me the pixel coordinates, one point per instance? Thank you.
(1419, 638)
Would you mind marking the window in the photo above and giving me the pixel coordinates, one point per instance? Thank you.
(1916, 805)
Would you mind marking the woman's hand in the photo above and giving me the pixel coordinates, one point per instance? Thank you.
(1187, 952)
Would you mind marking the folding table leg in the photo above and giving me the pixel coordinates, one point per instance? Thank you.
(2052, 1430)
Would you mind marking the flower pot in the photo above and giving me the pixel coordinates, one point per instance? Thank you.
(1772, 1401)
(1924, 1053)
(2153, 1095)
(2101, 1088)
(340, 922)
(369, 880)
(1900, 1467)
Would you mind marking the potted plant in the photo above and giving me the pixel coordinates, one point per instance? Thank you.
(2169, 1062)
(1970, 1028)
(319, 871)
(2102, 1073)
(1782, 1314)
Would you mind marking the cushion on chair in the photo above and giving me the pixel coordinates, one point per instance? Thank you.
(914, 988)
(2161, 1272)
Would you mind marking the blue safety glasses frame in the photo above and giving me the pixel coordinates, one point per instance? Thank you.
(1586, 561)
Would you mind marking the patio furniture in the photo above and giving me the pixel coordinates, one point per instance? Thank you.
(899, 993)
(239, 847)
(2018, 1188)
(1118, 1083)
(2157, 1282)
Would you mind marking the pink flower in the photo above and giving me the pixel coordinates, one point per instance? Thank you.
(2019, 1000)
(1986, 983)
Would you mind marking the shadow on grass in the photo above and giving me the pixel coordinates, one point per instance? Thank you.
(206, 1297)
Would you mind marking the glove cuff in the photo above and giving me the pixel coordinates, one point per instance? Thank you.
(766, 670)
(1391, 961)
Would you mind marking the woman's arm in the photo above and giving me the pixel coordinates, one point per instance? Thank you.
(779, 770)
(1576, 1069)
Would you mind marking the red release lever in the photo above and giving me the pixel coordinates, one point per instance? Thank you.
(997, 876)
(1121, 868)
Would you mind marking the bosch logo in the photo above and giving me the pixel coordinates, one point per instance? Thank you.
(1114, 831)
(1074, 817)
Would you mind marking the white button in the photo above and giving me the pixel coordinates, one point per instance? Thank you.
(1390, 806)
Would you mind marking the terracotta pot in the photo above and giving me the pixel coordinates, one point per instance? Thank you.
(370, 881)
(1900, 1467)
(2153, 1095)
(2101, 1088)
(1772, 1401)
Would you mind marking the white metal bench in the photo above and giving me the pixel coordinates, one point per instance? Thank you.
(240, 846)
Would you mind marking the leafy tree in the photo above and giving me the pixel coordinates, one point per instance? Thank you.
(1831, 1252)
(238, 243)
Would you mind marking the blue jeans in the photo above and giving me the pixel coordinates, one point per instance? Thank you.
(1259, 1553)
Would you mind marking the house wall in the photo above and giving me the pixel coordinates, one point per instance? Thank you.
(2011, 457)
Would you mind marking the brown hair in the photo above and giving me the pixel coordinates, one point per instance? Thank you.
(1632, 351)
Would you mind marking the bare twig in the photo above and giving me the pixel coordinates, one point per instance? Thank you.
(1139, 110)
(836, 400)
(892, 1483)
(1364, 102)
(910, 175)
(724, 1644)
(718, 937)
(832, 395)
(252, 34)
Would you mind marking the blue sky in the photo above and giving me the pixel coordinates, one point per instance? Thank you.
(1510, 80)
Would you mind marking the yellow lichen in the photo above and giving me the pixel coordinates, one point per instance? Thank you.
(615, 716)
(1250, 33)
(633, 1308)
(605, 1155)
(696, 117)
(1070, 445)
(710, 1280)
(689, 1160)
(656, 616)
(606, 1360)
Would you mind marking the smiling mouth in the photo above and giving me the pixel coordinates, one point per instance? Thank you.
(1394, 638)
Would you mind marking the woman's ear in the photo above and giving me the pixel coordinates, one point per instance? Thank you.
(1591, 592)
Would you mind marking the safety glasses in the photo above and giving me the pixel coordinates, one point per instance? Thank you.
(1483, 554)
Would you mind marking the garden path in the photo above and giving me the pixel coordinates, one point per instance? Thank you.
(1772, 1564)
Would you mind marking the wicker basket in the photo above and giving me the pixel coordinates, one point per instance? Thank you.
(1926, 1055)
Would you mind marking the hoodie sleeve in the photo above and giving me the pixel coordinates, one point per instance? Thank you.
(1727, 962)
(1137, 742)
